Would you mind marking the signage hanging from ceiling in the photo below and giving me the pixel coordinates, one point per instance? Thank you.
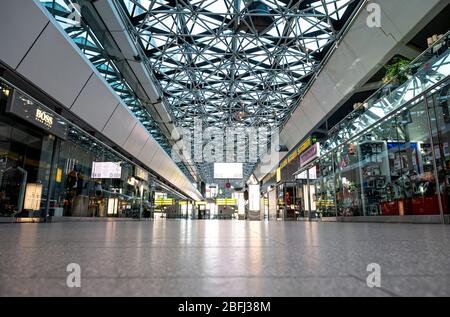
(228, 171)
(164, 201)
(226, 201)
(106, 170)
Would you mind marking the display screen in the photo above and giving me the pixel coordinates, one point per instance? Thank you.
(228, 171)
(106, 170)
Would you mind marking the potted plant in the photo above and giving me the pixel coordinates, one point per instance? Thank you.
(396, 71)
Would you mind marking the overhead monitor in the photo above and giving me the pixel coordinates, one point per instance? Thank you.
(106, 170)
(228, 171)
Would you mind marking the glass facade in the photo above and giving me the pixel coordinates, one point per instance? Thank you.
(46, 175)
(397, 162)
(77, 193)
(25, 159)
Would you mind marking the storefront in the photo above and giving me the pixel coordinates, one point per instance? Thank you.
(50, 167)
(306, 178)
(26, 147)
(392, 159)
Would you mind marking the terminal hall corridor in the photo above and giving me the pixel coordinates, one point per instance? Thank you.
(223, 258)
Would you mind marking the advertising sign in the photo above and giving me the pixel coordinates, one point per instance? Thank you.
(310, 154)
(32, 112)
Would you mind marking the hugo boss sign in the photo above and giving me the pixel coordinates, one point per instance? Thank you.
(29, 110)
(44, 117)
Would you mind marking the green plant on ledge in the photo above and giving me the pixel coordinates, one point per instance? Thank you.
(396, 71)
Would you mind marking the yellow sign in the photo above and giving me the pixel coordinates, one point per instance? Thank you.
(278, 175)
(164, 201)
(226, 202)
(58, 175)
(305, 145)
(292, 156)
(200, 203)
(283, 164)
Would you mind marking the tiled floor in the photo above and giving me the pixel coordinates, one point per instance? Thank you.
(224, 258)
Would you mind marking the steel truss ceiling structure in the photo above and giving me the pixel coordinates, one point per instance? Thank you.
(214, 62)
(91, 47)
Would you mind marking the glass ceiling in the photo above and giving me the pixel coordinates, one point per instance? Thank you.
(212, 62)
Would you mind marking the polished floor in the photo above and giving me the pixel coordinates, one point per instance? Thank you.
(224, 258)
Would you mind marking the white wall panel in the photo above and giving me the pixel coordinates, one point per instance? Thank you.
(54, 64)
(405, 14)
(96, 103)
(136, 140)
(298, 119)
(148, 152)
(167, 166)
(327, 91)
(20, 25)
(157, 160)
(312, 112)
(119, 127)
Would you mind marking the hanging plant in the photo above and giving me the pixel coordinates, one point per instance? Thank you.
(397, 70)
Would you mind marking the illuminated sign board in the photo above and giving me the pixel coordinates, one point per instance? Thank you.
(32, 112)
(106, 170)
(226, 202)
(164, 201)
(309, 155)
(293, 156)
(305, 145)
(33, 197)
(44, 117)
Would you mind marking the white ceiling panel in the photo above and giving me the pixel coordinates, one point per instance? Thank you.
(137, 140)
